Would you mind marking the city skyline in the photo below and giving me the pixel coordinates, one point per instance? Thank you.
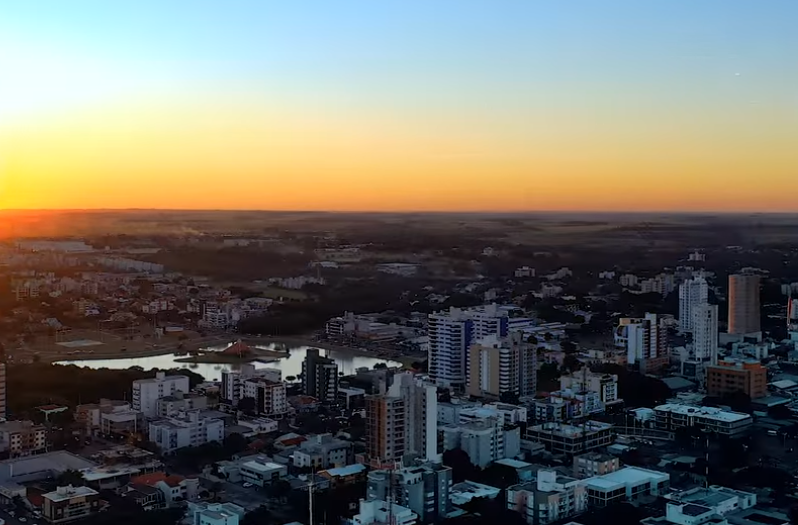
(399, 106)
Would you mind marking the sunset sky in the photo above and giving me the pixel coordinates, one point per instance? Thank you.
(399, 104)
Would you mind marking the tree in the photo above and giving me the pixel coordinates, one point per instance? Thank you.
(571, 363)
(511, 398)
(70, 477)
(568, 347)
(460, 463)
(247, 404)
(234, 443)
(260, 516)
(780, 412)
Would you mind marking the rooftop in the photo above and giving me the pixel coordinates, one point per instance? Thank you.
(41, 466)
(464, 492)
(564, 429)
(705, 412)
(513, 463)
(349, 470)
(262, 466)
(628, 476)
(66, 493)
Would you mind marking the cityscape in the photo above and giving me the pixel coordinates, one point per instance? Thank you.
(398, 262)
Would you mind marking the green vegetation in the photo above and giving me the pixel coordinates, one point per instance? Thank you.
(36, 384)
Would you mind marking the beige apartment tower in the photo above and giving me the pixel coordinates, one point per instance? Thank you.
(743, 304)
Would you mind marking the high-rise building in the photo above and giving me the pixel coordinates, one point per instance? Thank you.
(692, 293)
(792, 319)
(645, 341)
(737, 375)
(499, 365)
(744, 304)
(386, 418)
(403, 422)
(451, 333)
(147, 392)
(705, 333)
(319, 376)
(3, 401)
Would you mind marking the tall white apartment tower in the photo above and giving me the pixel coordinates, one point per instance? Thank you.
(147, 392)
(705, 333)
(692, 294)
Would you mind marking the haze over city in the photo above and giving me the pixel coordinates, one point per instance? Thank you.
(395, 105)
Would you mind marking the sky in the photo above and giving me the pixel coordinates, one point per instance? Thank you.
(394, 105)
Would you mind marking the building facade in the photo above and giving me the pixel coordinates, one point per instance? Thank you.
(692, 294)
(744, 307)
(147, 392)
(232, 389)
(320, 376)
(386, 419)
(423, 489)
(22, 438)
(645, 341)
(187, 430)
(498, 365)
(737, 375)
(270, 397)
(731, 424)
(66, 504)
(550, 497)
(705, 333)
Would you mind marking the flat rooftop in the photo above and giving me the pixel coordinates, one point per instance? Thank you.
(705, 412)
(629, 476)
(67, 493)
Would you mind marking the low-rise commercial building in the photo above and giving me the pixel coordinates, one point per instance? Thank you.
(261, 472)
(626, 484)
(70, 503)
(709, 419)
(560, 438)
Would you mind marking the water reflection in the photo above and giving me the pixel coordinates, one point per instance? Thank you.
(290, 366)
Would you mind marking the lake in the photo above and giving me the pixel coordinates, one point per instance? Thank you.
(290, 366)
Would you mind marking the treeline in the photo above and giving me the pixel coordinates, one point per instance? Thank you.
(36, 384)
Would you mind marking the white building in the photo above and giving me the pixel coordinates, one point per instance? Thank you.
(203, 513)
(498, 365)
(626, 484)
(270, 398)
(261, 472)
(147, 392)
(378, 512)
(189, 429)
(645, 340)
(705, 332)
(70, 503)
(671, 416)
(232, 389)
(692, 294)
(605, 385)
(451, 333)
(483, 436)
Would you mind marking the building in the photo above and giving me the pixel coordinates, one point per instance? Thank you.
(692, 294)
(214, 513)
(498, 365)
(386, 418)
(451, 333)
(322, 451)
(175, 489)
(721, 500)
(595, 464)
(672, 416)
(705, 333)
(188, 429)
(549, 498)
(424, 489)
(320, 376)
(232, 389)
(121, 422)
(485, 440)
(645, 341)
(565, 405)
(3, 400)
(560, 438)
(70, 503)
(261, 472)
(270, 398)
(147, 392)
(180, 402)
(627, 484)
(744, 304)
(378, 512)
(792, 319)
(737, 375)
(348, 475)
(605, 385)
(403, 421)
(22, 438)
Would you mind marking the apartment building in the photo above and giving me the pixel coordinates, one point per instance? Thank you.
(605, 385)
(204, 513)
(737, 375)
(498, 365)
(550, 497)
(270, 397)
(731, 424)
(147, 392)
(66, 504)
(744, 306)
(232, 389)
(424, 489)
(485, 439)
(189, 429)
(2, 385)
(595, 464)
(320, 376)
(322, 451)
(181, 402)
(645, 341)
(386, 421)
(692, 294)
(22, 438)
(451, 333)
(564, 405)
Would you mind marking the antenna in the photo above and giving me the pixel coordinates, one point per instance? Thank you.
(310, 496)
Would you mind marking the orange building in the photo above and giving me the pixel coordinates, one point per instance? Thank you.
(737, 375)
